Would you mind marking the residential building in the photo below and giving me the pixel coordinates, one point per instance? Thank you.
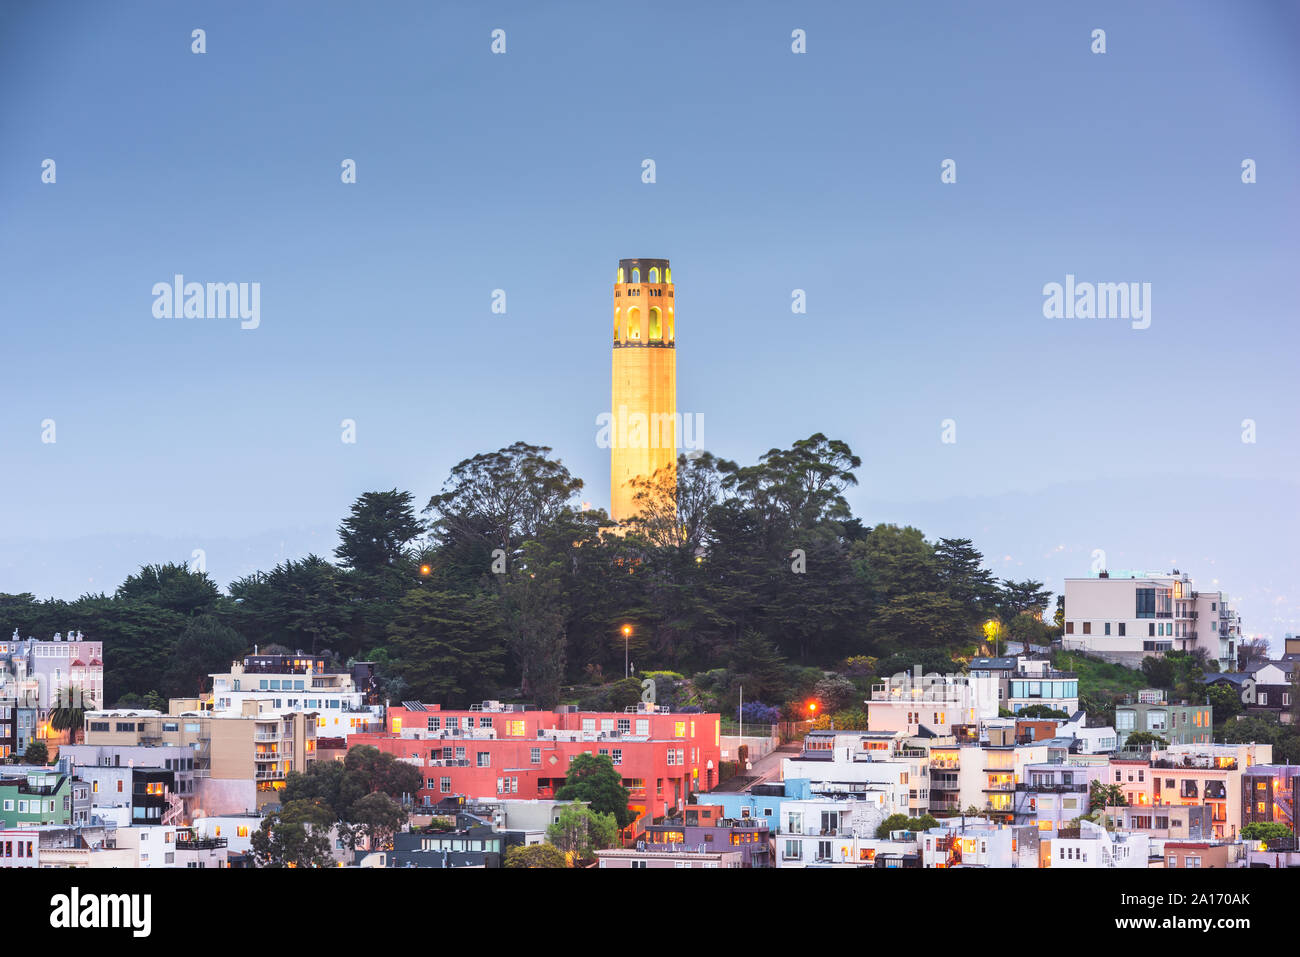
(42, 795)
(63, 846)
(1186, 822)
(168, 846)
(50, 674)
(236, 829)
(1192, 774)
(1036, 683)
(494, 750)
(176, 759)
(618, 858)
(473, 843)
(241, 758)
(973, 842)
(1051, 796)
(1271, 793)
(705, 827)
(1126, 616)
(908, 703)
(133, 796)
(1175, 723)
(1090, 846)
(299, 683)
(1202, 854)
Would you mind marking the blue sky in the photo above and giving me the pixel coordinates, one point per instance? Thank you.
(775, 171)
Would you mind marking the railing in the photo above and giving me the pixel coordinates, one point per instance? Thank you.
(267, 756)
(1053, 788)
(201, 844)
(268, 736)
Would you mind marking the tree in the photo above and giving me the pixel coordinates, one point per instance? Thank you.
(1105, 795)
(377, 817)
(304, 603)
(592, 778)
(1028, 597)
(36, 753)
(173, 586)
(535, 613)
(205, 647)
(1041, 711)
(1139, 739)
(1225, 701)
(1158, 671)
(374, 536)
(580, 832)
(836, 692)
(498, 499)
(536, 855)
(1266, 831)
(901, 822)
(296, 837)
(447, 646)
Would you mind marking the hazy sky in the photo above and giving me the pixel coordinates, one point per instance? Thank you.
(774, 171)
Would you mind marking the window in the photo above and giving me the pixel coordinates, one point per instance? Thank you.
(1108, 628)
(445, 785)
(793, 851)
(484, 759)
(1146, 603)
(636, 275)
(1122, 627)
(1087, 628)
(1069, 627)
(535, 755)
(617, 756)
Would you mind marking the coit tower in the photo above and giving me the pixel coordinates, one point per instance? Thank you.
(643, 436)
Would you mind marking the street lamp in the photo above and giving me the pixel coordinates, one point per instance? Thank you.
(991, 629)
(627, 631)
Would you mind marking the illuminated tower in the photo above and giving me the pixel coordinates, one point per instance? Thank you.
(644, 408)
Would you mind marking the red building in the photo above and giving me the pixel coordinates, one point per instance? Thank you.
(492, 750)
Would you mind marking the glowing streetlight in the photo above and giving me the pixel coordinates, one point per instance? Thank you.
(627, 632)
(426, 569)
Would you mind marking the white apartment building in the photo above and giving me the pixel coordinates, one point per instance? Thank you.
(339, 704)
(1125, 616)
(1097, 847)
(862, 763)
(833, 832)
(979, 844)
(170, 846)
(909, 702)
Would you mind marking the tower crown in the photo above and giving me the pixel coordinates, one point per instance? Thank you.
(643, 304)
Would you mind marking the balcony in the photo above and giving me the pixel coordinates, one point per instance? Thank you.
(263, 775)
(201, 844)
(268, 736)
(268, 756)
(1053, 788)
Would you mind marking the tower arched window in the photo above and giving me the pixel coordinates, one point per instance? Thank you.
(636, 275)
(620, 274)
(656, 325)
(654, 274)
(618, 317)
(668, 274)
(633, 323)
(670, 324)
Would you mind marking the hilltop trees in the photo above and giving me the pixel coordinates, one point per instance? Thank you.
(756, 574)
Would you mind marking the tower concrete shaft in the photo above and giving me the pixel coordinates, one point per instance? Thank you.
(643, 434)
